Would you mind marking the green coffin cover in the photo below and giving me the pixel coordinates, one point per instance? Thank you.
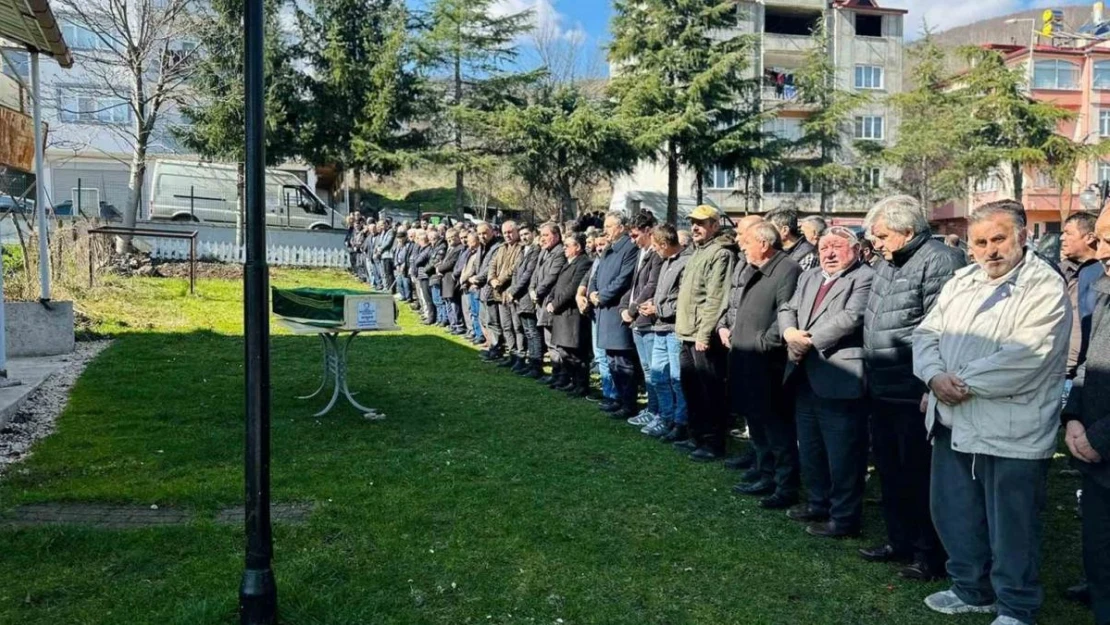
(323, 306)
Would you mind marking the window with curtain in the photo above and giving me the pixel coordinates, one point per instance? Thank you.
(869, 77)
(869, 128)
(1101, 75)
(1055, 74)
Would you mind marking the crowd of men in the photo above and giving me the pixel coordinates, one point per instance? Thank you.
(832, 348)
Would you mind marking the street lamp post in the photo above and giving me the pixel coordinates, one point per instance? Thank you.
(258, 590)
(1032, 43)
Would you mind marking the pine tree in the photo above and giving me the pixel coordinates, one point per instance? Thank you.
(563, 140)
(679, 72)
(363, 84)
(217, 119)
(471, 50)
(827, 128)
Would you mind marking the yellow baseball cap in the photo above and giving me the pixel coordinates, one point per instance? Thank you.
(705, 213)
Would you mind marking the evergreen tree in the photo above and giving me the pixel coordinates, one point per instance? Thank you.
(827, 129)
(678, 77)
(363, 85)
(934, 119)
(563, 140)
(472, 51)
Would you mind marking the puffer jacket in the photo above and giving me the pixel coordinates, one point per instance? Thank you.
(902, 293)
(1007, 339)
(703, 292)
(666, 290)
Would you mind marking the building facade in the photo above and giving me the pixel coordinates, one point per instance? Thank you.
(865, 46)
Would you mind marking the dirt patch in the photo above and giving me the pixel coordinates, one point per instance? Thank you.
(219, 271)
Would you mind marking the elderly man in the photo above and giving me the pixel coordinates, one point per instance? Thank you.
(471, 305)
(506, 332)
(757, 364)
(418, 271)
(813, 228)
(384, 251)
(448, 271)
(529, 351)
(904, 290)
(490, 244)
(823, 329)
(702, 296)
(402, 257)
(608, 287)
(994, 353)
(664, 368)
(570, 328)
(550, 263)
(1081, 270)
(1087, 421)
(435, 277)
(794, 244)
(644, 280)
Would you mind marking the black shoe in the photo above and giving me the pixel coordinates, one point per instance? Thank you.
(546, 379)
(507, 362)
(610, 407)
(565, 386)
(778, 501)
(743, 461)
(805, 514)
(622, 414)
(491, 355)
(685, 445)
(761, 487)
(597, 398)
(1080, 593)
(534, 372)
(751, 475)
(921, 571)
(884, 553)
(831, 529)
(557, 379)
(521, 367)
(705, 454)
(677, 433)
(578, 391)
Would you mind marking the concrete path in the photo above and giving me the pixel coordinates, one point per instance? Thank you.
(32, 372)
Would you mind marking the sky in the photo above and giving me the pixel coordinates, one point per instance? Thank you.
(588, 20)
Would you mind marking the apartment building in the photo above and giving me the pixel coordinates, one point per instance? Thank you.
(865, 45)
(1074, 74)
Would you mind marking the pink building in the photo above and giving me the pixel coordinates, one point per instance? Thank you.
(1078, 79)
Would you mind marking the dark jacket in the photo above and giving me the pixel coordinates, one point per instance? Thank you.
(439, 252)
(384, 245)
(834, 365)
(804, 254)
(449, 278)
(756, 356)
(569, 327)
(611, 282)
(548, 266)
(666, 290)
(1089, 401)
(522, 277)
(736, 281)
(644, 280)
(1081, 279)
(402, 255)
(420, 258)
(486, 253)
(902, 293)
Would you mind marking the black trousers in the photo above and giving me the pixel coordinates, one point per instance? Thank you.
(622, 366)
(532, 336)
(832, 444)
(903, 457)
(1096, 546)
(774, 437)
(388, 277)
(703, 385)
(575, 363)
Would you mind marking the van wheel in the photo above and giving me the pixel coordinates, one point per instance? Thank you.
(319, 227)
(184, 218)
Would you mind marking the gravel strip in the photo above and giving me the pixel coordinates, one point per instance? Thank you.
(35, 420)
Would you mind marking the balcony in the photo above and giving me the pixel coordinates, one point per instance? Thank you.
(13, 96)
(812, 5)
(786, 46)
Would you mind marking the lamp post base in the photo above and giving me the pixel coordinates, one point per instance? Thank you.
(258, 598)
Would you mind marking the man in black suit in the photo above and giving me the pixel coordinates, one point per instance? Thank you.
(757, 363)
(570, 327)
(607, 289)
(550, 263)
(449, 269)
(522, 309)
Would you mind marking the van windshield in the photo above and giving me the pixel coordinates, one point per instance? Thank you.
(295, 195)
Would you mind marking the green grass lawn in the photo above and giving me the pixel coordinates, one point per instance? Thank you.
(483, 498)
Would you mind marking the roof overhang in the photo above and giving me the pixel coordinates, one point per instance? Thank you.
(31, 23)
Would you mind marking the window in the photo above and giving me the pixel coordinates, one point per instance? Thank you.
(1104, 123)
(871, 177)
(1055, 74)
(720, 178)
(869, 128)
(869, 25)
(789, 128)
(90, 108)
(786, 181)
(1102, 75)
(988, 184)
(16, 63)
(869, 77)
(80, 38)
(1103, 171)
(1043, 180)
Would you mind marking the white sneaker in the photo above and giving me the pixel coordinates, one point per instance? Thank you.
(946, 602)
(654, 423)
(641, 419)
(1008, 620)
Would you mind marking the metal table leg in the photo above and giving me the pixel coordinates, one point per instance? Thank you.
(341, 379)
(331, 358)
(326, 372)
(335, 369)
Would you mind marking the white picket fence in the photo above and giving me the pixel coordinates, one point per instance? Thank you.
(283, 255)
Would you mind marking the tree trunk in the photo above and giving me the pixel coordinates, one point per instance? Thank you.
(672, 183)
(356, 193)
(460, 186)
(699, 184)
(134, 193)
(566, 198)
(1019, 180)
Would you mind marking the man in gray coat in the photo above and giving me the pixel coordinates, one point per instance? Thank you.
(607, 290)
(550, 263)
(823, 329)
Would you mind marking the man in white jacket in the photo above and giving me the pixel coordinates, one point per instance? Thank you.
(994, 353)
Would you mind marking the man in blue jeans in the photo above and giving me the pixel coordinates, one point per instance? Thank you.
(643, 290)
(665, 373)
(608, 390)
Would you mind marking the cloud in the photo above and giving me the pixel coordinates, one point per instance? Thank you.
(945, 14)
(545, 18)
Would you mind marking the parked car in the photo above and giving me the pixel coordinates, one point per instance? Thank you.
(106, 210)
(10, 204)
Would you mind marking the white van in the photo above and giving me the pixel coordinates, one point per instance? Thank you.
(206, 192)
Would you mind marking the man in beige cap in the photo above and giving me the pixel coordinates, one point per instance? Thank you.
(702, 296)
